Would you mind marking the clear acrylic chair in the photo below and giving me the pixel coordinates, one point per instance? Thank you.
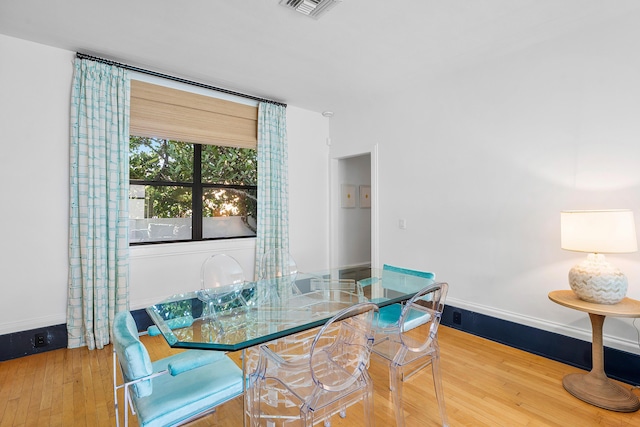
(409, 350)
(221, 283)
(328, 285)
(322, 378)
(278, 272)
(173, 390)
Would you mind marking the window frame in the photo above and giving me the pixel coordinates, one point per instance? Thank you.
(197, 190)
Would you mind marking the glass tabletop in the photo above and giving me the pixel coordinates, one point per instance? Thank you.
(253, 313)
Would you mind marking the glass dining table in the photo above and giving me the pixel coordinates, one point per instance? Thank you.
(277, 311)
(259, 312)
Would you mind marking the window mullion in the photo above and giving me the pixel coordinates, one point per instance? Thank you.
(197, 215)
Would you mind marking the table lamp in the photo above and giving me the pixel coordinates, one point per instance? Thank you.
(598, 232)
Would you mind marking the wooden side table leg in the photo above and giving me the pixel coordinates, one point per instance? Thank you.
(595, 388)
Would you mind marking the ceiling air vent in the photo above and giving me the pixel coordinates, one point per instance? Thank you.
(312, 8)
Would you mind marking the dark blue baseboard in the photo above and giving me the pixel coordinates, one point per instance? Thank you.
(143, 321)
(23, 343)
(619, 365)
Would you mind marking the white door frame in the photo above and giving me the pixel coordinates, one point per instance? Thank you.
(335, 211)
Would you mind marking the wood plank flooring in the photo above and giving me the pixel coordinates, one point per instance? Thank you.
(485, 384)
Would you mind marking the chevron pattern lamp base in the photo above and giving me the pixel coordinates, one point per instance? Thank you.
(596, 280)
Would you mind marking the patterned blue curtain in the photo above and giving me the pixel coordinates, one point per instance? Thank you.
(273, 184)
(99, 184)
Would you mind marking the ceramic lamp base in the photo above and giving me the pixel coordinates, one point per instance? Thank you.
(596, 280)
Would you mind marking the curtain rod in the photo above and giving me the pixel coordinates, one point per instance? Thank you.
(176, 79)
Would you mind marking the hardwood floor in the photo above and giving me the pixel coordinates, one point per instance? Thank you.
(485, 384)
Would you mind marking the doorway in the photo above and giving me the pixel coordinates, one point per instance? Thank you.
(354, 212)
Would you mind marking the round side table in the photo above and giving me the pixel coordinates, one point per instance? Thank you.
(595, 388)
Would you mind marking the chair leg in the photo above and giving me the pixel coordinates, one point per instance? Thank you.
(126, 406)
(367, 402)
(306, 416)
(395, 383)
(253, 398)
(115, 390)
(437, 383)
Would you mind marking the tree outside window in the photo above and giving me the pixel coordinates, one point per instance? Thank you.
(171, 180)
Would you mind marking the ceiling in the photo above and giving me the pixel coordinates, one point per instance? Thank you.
(258, 47)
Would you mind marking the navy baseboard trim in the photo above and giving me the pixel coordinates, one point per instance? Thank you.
(23, 343)
(143, 321)
(619, 365)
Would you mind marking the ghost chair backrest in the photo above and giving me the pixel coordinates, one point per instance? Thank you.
(277, 262)
(221, 280)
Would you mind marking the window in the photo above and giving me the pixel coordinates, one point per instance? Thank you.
(183, 191)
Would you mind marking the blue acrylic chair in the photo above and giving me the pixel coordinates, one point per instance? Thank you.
(173, 390)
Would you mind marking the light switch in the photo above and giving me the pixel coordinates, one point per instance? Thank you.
(402, 224)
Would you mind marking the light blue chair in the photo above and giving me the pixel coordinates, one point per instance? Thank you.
(173, 390)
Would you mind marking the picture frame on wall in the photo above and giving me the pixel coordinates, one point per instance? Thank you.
(365, 196)
(348, 196)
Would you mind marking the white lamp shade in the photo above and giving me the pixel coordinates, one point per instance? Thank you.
(602, 231)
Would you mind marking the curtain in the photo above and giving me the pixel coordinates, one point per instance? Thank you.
(99, 183)
(273, 184)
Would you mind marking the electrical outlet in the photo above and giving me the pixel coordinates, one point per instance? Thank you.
(457, 318)
(40, 340)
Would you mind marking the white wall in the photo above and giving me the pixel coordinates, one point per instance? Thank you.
(34, 132)
(307, 133)
(480, 162)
